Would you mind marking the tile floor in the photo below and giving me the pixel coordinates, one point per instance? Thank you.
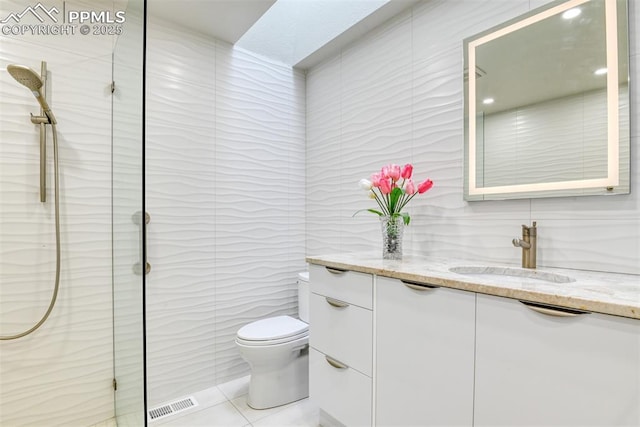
(226, 406)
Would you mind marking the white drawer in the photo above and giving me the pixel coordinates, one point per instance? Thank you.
(349, 286)
(345, 393)
(345, 333)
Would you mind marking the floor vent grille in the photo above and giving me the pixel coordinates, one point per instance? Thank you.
(172, 408)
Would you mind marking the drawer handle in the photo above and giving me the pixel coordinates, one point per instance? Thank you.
(333, 362)
(336, 303)
(419, 286)
(553, 311)
(333, 270)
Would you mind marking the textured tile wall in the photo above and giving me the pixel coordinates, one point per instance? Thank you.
(225, 190)
(61, 374)
(396, 95)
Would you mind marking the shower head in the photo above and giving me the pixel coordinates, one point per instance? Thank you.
(25, 76)
(29, 78)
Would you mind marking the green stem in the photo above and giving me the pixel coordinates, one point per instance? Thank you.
(386, 198)
(382, 206)
(403, 204)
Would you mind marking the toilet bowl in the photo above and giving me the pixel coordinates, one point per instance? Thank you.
(277, 350)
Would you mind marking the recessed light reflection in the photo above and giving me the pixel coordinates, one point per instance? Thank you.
(571, 13)
(600, 71)
(488, 101)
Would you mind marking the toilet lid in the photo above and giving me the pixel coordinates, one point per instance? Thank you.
(272, 328)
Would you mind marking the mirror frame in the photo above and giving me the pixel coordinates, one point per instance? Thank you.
(472, 191)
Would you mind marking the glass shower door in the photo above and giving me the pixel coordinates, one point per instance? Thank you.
(128, 220)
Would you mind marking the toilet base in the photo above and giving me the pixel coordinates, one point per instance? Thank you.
(278, 387)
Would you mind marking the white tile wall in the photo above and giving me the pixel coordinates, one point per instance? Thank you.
(396, 95)
(226, 193)
(61, 374)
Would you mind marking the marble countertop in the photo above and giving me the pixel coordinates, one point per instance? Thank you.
(608, 293)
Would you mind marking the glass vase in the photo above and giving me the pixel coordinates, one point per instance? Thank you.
(392, 229)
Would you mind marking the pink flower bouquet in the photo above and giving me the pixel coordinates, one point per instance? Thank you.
(393, 187)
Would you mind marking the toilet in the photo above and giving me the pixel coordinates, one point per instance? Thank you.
(277, 350)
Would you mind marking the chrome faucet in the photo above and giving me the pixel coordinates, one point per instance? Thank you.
(528, 245)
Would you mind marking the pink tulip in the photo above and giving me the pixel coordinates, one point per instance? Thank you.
(425, 186)
(391, 171)
(385, 186)
(407, 170)
(375, 179)
(385, 171)
(409, 187)
(394, 172)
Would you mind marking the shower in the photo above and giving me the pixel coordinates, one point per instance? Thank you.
(29, 78)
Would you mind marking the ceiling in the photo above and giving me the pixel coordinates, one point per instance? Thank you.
(225, 20)
(293, 29)
(229, 20)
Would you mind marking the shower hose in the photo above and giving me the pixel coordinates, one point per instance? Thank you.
(56, 287)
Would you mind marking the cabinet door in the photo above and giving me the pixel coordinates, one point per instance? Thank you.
(543, 370)
(425, 354)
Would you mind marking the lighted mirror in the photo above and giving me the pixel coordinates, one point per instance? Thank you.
(547, 104)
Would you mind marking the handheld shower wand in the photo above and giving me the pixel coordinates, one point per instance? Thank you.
(29, 78)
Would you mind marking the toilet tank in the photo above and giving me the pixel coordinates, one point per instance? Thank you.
(303, 296)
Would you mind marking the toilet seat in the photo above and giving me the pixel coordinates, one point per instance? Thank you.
(274, 330)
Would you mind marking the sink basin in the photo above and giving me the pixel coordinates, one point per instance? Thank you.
(502, 273)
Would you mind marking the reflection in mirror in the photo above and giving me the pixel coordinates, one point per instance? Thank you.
(546, 111)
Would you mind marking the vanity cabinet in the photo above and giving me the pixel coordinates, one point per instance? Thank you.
(551, 369)
(341, 341)
(412, 354)
(424, 355)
